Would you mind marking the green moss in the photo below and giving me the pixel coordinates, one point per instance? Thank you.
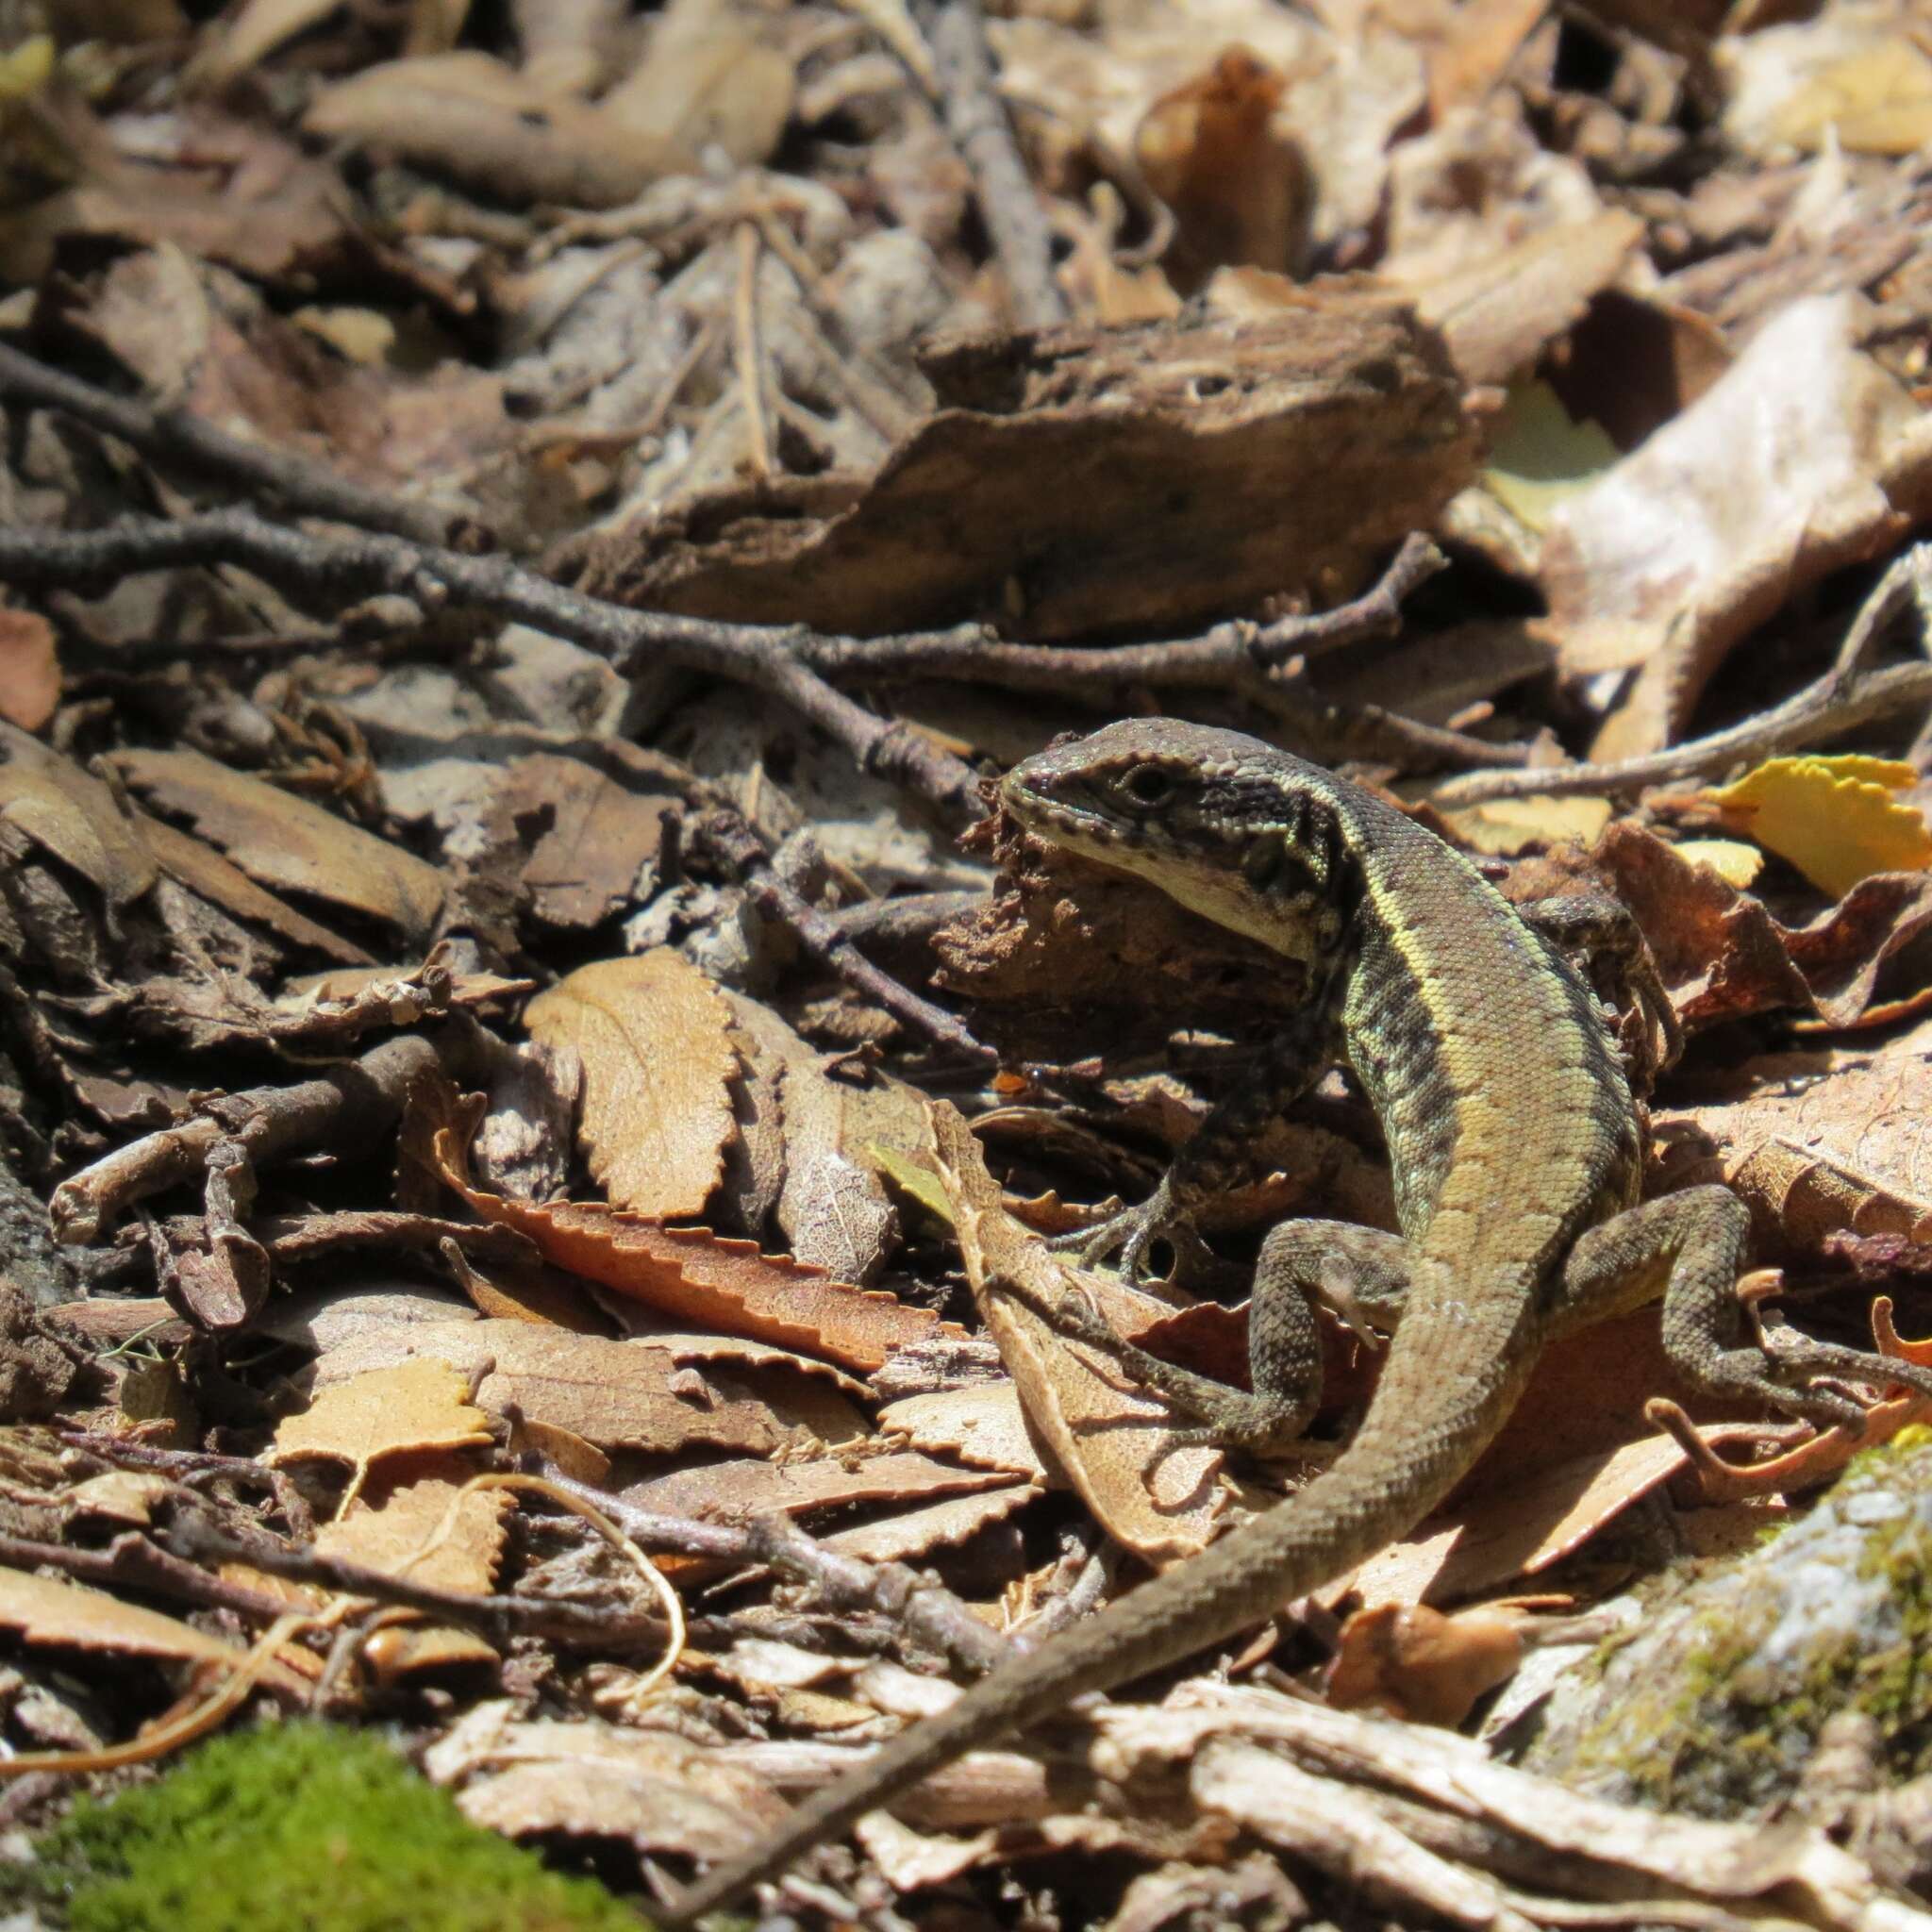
(303, 1828)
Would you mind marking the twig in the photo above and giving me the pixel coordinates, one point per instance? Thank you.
(728, 835)
(931, 1616)
(181, 440)
(751, 362)
(131, 1562)
(349, 568)
(1847, 696)
(1016, 223)
(354, 1104)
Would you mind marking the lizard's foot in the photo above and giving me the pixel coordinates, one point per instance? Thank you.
(1814, 1380)
(1131, 1235)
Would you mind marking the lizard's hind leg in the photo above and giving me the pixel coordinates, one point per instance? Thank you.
(1691, 1246)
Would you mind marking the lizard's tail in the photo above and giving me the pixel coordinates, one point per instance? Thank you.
(1396, 1470)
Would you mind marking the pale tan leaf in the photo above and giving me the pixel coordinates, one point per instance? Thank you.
(651, 1788)
(652, 1034)
(730, 1492)
(396, 1531)
(984, 1423)
(910, 1534)
(414, 1405)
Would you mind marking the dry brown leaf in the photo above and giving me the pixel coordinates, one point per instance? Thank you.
(288, 843)
(598, 850)
(730, 1492)
(1818, 1142)
(1110, 1435)
(30, 668)
(1239, 189)
(1802, 458)
(50, 1610)
(415, 1406)
(469, 115)
(910, 1534)
(692, 1275)
(395, 1528)
(657, 1791)
(1410, 1661)
(709, 80)
(616, 1394)
(830, 1200)
(983, 1424)
(652, 1037)
(50, 800)
(198, 866)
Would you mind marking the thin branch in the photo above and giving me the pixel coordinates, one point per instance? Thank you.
(727, 836)
(179, 439)
(344, 569)
(1009, 205)
(1847, 697)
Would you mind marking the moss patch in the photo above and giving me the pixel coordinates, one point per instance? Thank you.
(303, 1827)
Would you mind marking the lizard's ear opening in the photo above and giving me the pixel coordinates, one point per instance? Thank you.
(1148, 785)
(1262, 862)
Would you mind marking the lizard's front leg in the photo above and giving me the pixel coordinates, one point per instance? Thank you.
(1219, 1157)
(1692, 1246)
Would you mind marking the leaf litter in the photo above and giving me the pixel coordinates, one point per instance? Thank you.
(684, 455)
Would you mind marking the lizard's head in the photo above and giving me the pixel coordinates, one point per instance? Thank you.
(1243, 834)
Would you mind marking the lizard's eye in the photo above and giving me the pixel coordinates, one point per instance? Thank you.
(1148, 785)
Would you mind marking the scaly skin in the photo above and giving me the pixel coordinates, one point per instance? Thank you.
(1515, 1146)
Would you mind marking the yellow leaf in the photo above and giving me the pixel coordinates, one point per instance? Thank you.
(1736, 863)
(1834, 818)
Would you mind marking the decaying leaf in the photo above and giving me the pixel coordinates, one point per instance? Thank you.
(616, 1394)
(652, 1037)
(51, 801)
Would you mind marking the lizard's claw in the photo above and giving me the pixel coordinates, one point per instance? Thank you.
(1131, 1235)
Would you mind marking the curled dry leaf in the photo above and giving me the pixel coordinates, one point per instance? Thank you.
(1407, 1661)
(695, 1276)
(652, 1037)
(1112, 1438)
(288, 843)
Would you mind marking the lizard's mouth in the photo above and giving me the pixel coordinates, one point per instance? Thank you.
(1066, 820)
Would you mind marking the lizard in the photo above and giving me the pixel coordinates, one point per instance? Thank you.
(1516, 1148)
